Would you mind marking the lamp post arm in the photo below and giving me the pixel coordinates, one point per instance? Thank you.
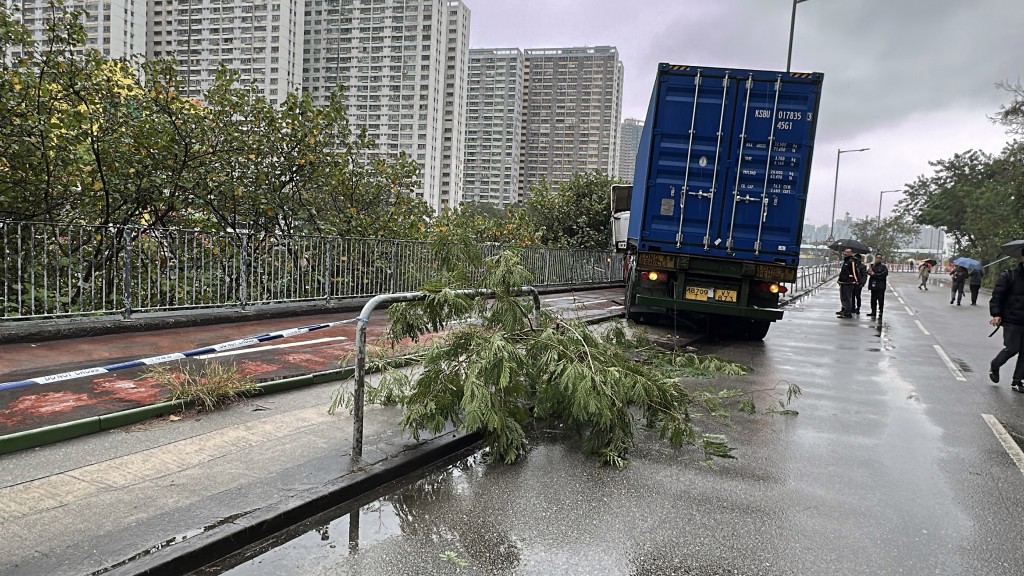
(792, 28)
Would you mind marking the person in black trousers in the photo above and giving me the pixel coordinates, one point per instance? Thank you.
(975, 283)
(848, 281)
(1007, 310)
(877, 272)
(958, 277)
(862, 279)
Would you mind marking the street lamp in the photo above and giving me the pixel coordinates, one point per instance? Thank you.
(878, 221)
(792, 26)
(835, 189)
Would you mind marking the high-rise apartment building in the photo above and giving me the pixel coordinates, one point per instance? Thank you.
(455, 85)
(629, 143)
(572, 107)
(494, 126)
(114, 28)
(260, 39)
(391, 59)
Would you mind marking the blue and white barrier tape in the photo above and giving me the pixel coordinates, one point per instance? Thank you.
(169, 357)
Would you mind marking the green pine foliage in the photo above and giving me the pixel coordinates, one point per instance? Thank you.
(500, 369)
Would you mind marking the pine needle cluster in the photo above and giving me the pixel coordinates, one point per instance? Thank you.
(497, 369)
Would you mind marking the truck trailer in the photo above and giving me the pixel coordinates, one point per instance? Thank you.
(712, 223)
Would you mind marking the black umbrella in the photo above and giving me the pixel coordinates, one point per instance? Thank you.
(931, 262)
(1013, 248)
(857, 246)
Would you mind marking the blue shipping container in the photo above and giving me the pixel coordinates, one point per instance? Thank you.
(723, 163)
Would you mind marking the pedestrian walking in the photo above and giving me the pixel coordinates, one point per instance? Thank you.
(878, 272)
(848, 282)
(1007, 310)
(862, 278)
(923, 271)
(975, 283)
(958, 276)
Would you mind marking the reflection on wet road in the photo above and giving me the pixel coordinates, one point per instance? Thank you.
(889, 468)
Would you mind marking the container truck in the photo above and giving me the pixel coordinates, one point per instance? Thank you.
(713, 220)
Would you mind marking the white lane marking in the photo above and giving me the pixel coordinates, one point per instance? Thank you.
(901, 300)
(614, 307)
(949, 363)
(909, 311)
(1004, 438)
(260, 348)
(921, 326)
(589, 302)
(557, 299)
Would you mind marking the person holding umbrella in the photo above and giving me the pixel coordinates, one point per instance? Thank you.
(848, 283)
(923, 271)
(1007, 310)
(974, 271)
(975, 284)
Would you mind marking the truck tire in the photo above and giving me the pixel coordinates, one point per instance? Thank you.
(732, 328)
(756, 330)
(631, 280)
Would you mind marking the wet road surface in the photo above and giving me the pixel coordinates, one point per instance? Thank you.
(893, 466)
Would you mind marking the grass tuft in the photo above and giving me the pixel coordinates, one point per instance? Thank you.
(209, 387)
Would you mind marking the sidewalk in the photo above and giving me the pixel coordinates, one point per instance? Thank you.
(168, 495)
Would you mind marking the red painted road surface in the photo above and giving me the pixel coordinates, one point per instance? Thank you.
(42, 405)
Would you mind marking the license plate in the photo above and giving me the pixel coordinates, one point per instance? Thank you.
(705, 294)
(775, 273)
(656, 260)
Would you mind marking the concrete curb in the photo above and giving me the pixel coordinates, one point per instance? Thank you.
(230, 537)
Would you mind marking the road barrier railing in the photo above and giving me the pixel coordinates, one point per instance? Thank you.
(66, 270)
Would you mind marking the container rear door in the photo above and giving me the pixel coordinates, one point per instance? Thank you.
(730, 158)
(689, 161)
(774, 122)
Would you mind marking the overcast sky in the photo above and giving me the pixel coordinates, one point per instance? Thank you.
(913, 80)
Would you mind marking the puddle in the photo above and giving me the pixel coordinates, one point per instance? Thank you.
(373, 519)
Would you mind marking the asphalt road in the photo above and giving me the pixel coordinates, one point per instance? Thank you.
(894, 465)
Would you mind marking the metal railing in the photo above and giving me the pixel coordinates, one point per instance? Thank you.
(810, 277)
(59, 270)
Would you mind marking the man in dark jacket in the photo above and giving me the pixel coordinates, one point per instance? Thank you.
(878, 272)
(848, 282)
(975, 282)
(1007, 310)
(862, 279)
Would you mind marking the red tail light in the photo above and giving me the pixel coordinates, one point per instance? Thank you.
(772, 288)
(655, 276)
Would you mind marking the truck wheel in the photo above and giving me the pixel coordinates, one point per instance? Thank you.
(757, 329)
(631, 281)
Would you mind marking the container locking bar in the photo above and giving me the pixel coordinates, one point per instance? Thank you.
(768, 165)
(739, 167)
(689, 152)
(718, 152)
